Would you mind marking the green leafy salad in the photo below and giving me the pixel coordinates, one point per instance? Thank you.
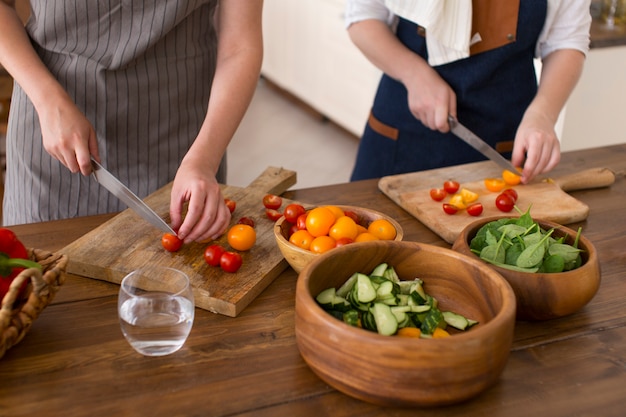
(522, 245)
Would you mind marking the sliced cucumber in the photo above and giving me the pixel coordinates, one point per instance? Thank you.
(386, 322)
(351, 317)
(379, 271)
(365, 291)
(391, 275)
(347, 286)
(455, 320)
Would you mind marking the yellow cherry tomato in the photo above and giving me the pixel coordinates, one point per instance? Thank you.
(494, 184)
(511, 178)
(468, 196)
(457, 201)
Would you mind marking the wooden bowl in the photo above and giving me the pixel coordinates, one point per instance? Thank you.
(398, 371)
(544, 296)
(298, 258)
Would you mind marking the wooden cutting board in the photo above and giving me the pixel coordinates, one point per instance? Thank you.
(127, 242)
(547, 198)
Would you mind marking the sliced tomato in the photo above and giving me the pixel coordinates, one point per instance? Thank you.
(449, 208)
(475, 209)
(273, 214)
(438, 194)
(457, 201)
(231, 204)
(273, 202)
(451, 186)
(494, 184)
(246, 220)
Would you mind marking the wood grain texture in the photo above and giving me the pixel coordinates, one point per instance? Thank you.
(75, 361)
(127, 242)
(544, 197)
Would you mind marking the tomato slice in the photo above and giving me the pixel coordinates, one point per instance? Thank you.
(231, 204)
(457, 201)
(273, 202)
(451, 186)
(494, 184)
(449, 208)
(475, 209)
(511, 178)
(438, 194)
(273, 214)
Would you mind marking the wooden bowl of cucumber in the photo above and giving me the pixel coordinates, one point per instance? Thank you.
(351, 335)
(545, 287)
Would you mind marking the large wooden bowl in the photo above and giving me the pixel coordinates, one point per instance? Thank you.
(298, 258)
(544, 296)
(398, 371)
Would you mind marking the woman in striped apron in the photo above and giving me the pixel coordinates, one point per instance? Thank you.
(474, 61)
(154, 90)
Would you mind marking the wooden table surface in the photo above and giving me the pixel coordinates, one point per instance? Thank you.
(75, 361)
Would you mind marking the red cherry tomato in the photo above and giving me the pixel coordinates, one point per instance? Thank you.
(273, 214)
(451, 187)
(301, 222)
(230, 261)
(231, 204)
(438, 194)
(449, 208)
(293, 211)
(212, 254)
(511, 193)
(504, 203)
(475, 209)
(273, 202)
(353, 216)
(293, 229)
(343, 241)
(171, 243)
(246, 220)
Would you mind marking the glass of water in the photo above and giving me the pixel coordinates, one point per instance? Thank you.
(156, 310)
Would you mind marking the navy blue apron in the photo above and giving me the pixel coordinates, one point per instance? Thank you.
(493, 88)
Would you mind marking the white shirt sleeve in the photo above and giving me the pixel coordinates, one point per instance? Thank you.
(357, 10)
(567, 27)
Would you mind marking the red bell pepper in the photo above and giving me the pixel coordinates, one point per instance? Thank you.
(13, 260)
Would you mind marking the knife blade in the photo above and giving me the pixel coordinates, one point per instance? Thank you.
(119, 190)
(480, 145)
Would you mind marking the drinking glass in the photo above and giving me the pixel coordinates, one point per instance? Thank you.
(613, 13)
(156, 310)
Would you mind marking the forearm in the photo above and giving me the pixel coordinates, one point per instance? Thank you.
(19, 58)
(560, 73)
(240, 53)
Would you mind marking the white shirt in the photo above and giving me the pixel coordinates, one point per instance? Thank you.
(566, 27)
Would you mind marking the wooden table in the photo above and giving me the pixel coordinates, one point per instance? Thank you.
(75, 361)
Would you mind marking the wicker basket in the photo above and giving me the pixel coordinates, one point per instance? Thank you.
(17, 315)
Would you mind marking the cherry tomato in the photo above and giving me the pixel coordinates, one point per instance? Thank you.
(230, 261)
(231, 204)
(474, 209)
(504, 203)
(273, 214)
(343, 241)
(319, 221)
(449, 208)
(302, 239)
(301, 222)
(438, 194)
(293, 211)
(273, 202)
(241, 237)
(246, 220)
(213, 254)
(171, 242)
(353, 216)
(511, 193)
(451, 186)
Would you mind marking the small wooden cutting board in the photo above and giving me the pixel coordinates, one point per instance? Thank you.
(127, 242)
(548, 199)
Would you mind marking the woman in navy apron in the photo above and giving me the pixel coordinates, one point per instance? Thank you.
(493, 88)
(155, 90)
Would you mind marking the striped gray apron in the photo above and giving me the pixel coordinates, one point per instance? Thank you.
(141, 72)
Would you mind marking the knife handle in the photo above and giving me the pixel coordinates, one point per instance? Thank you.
(585, 180)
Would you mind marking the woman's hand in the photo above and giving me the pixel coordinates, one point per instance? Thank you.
(207, 216)
(67, 135)
(536, 147)
(431, 99)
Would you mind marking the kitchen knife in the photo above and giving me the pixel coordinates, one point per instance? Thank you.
(108, 181)
(480, 145)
